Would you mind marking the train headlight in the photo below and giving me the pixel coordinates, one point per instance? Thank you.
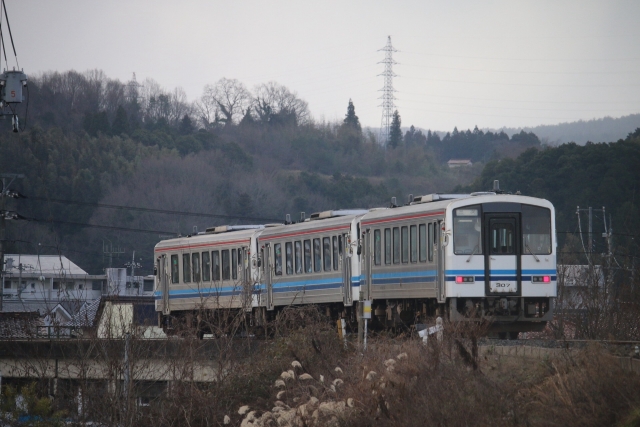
(541, 279)
(465, 279)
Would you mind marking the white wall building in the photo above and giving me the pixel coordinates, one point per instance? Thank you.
(43, 282)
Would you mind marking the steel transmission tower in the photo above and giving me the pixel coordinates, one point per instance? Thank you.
(387, 97)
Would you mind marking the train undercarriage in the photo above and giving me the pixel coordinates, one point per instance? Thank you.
(500, 315)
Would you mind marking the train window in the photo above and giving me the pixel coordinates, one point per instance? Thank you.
(298, 246)
(175, 269)
(387, 246)
(397, 245)
(422, 242)
(195, 264)
(288, 251)
(277, 255)
(215, 265)
(307, 257)
(405, 244)
(206, 266)
(226, 265)
(326, 253)
(466, 231)
(502, 238)
(335, 253)
(413, 237)
(340, 247)
(317, 255)
(186, 268)
(234, 265)
(536, 230)
(377, 247)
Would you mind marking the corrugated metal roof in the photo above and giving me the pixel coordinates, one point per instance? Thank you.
(45, 265)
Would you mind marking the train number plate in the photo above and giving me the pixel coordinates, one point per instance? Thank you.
(503, 286)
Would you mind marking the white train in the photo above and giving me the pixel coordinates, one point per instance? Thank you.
(467, 257)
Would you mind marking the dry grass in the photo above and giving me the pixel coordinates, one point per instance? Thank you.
(304, 376)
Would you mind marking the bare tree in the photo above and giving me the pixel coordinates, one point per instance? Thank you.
(230, 96)
(274, 98)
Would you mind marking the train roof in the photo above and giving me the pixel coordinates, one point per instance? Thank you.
(322, 221)
(435, 205)
(229, 236)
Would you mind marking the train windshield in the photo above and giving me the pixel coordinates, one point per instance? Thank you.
(536, 230)
(467, 230)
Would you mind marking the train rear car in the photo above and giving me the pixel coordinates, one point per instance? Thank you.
(211, 270)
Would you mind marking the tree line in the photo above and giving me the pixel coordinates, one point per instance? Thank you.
(572, 175)
(233, 153)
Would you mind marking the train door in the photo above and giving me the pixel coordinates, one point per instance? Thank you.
(502, 253)
(163, 283)
(438, 251)
(245, 278)
(267, 275)
(367, 260)
(347, 293)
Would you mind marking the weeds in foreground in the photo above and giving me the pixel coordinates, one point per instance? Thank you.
(305, 376)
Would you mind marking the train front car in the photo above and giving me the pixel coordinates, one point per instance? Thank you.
(500, 261)
(465, 257)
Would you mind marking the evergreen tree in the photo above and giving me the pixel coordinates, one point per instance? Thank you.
(247, 119)
(351, 120)
(350, 132)
(120, 122)
(409, 136)
(186, 125)
(98, 122)
(395, 133)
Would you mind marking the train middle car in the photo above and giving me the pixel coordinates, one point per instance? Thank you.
(465, 257)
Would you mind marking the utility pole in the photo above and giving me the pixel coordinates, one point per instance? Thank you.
(388, 105)
(133, 265)
(109, 251)
(4, 215)
(589, 249)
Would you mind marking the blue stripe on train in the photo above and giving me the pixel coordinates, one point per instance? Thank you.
(493, 278)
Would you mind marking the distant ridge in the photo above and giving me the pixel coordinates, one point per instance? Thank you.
(607, 129)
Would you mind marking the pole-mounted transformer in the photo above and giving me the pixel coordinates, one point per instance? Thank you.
(11, 84)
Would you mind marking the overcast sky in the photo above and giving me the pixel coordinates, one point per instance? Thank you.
(460, 63)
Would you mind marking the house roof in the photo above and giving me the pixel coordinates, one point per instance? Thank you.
(86, 317)
(20, 325)
(45, 265)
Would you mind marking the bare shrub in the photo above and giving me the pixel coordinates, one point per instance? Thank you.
(587, 390)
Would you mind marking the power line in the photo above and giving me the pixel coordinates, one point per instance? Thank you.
(528, 59)
(57, 248)
(523, 72)
(162, 211)
(586, 232)
(562, 85)
(105, 227)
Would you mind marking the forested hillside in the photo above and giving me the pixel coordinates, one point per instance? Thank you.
(476, 145)
(95, 148)
(597, 175)
(596, 130)
(235, 155)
